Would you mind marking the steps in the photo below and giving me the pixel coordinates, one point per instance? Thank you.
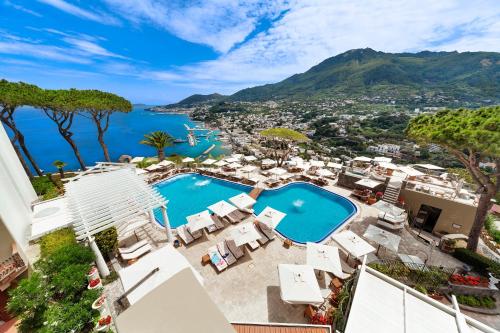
(391, 194)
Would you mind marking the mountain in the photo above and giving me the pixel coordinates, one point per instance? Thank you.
(466, 75)
(197, 99)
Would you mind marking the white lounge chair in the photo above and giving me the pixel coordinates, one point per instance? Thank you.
(133, 247)
(137, 253)
(184, 235)
(226, 253)
(218, 224)
(235, 250)
(216, 259)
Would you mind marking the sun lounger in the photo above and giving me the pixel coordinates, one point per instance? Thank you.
(391, 226)
(137, 253)
(197, 234)
(263, 239)
(235, 250)
(253, 245)
(226, 253)
(184, 234)
(264, 228)
(216, 258)
(133, 247)
(218, 224)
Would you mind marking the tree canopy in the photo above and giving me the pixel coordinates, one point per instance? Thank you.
(285, 134)
(158, 140)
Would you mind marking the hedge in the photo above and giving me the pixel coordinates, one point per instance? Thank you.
(50, 243)
(480, 263)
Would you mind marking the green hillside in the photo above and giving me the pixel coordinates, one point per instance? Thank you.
(470, 76)
(197, 99)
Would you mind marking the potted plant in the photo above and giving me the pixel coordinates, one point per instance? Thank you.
(95, 283)
(379, 195)
(93, 273)
(103, 323)
(99, 302)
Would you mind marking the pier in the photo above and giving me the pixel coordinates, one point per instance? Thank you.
(208, 150)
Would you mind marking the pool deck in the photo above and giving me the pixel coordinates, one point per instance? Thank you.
(249, 290)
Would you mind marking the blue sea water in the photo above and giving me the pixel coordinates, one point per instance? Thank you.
(312, 213)
(123, 136)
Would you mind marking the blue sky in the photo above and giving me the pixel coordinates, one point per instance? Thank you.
(159, 51)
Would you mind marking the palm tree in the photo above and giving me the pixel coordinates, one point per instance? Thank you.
(59, 165)
(158, 140)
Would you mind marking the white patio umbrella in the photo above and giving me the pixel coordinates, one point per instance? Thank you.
(244, 233)
(187, 160)
(353, 244)
(165, 163)
(324, 173)
(234, 165)
(382, 159)
(222, 208)
(382, 238)
(334, 165)
(220, 163)
(153, 167)
(231, 159)
(137, 159)
(248, 168)
(388, 165)
(324, 258)
(299, 285)
(242, 200)
(268, 161)
(316, 163)
(140, 171)
(369, 183)
(249, 158)
(199, 221)
(271, 217)
(277, 171)
(208, 161)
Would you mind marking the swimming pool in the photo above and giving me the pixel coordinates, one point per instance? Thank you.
(313, 213)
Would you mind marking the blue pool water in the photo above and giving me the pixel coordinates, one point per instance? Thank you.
(312, 212)
(189, 194)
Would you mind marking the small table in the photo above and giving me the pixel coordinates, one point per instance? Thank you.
(205, 259)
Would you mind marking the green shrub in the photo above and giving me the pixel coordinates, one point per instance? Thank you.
(489, 224)
(71, 317)
(55, 240)
(480, 263)
(71, 281)
(107, 240)
(421, 289)
(42, 184)
(29, 302)
(70, 254)
(477, 301)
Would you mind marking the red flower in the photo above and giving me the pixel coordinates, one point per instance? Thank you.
(94, 282)
(105, 321)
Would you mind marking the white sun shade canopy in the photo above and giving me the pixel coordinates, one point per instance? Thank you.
(234, 165)
(369, 183)
(268, 161)
(384, 238)
(316, 163)
(325, 258)
(169, 262)
(324, 173)
(153, 167)
(244, 233)
(231, 159)
(220, 163)
(362, 159)
(382, 304)
(353, 244)
(382, 159)
(101, 200)
(199, 221)
(242, 200)
(208, 161)
(222, 208)
(278, 171)
(299, 285)
(334, 165)
(271, 217)
(187, 160)
(165, 163)
(249, 158)
(410, 171)
(430, 166)
(388, 165)
(248, 168)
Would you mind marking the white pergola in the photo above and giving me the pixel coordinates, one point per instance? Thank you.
(105, 197)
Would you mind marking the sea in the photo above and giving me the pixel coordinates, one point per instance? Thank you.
(125, 132)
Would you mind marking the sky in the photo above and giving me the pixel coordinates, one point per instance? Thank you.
(160, 51)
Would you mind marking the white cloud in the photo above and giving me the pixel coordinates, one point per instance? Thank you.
(21, 8)
(219, 24)
(82, 13)
(91, 48)
(311, 31)
(40, 51)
